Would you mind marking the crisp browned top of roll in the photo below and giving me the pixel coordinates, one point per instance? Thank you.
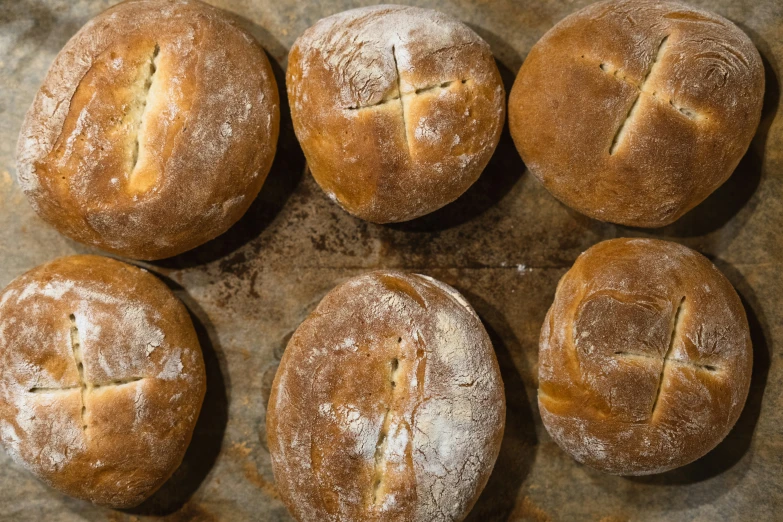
(101, 378)
(645, 357)
(153, 131)
(634, 111)
(388, 404)
(398, 109)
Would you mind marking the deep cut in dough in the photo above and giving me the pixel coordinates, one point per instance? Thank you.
(101, 378)
(635, 111)
(153, 131)
(645, 357)
(388, 405)
(398, 109)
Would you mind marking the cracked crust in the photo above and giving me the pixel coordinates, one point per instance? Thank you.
(645, 357)
(398, 109)
(635, 111)
(153, 131)
(101, 378)
(388, 404)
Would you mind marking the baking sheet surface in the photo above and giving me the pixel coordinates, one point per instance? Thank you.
(504, 245)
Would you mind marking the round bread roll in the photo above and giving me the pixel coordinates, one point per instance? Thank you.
(388, 404)
(645, 357)
(398, 109)
(153, 131)
(634, 111)
(101, 378)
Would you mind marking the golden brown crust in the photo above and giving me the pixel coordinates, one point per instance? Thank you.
(101, 378)
(645, 357)
(153, 131)
(388, 404)
(634, 111)
(385, 157)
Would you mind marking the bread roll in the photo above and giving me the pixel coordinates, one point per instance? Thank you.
(645, 357)
(398, 109)
(388, 405)
(153, 131)
(101, 378)
(634, 111)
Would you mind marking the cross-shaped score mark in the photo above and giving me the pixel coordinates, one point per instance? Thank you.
(641, 88)
(667, 358)
(402, 95)
(83, 386)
